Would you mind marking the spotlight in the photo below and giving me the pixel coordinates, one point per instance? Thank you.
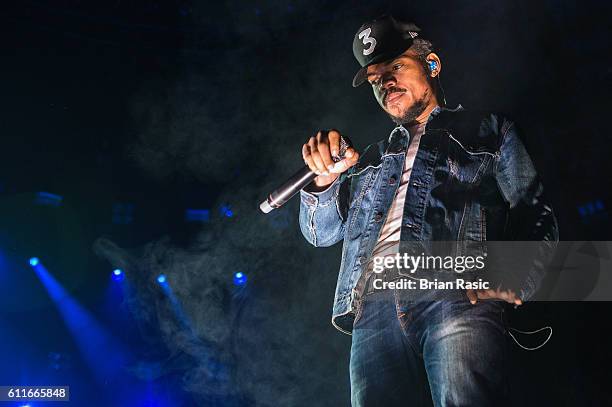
(117, 274)
(240, 278)
(226, 210)
(34, 261)
(161, 279)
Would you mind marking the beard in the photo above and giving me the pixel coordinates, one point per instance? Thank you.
(414, 111)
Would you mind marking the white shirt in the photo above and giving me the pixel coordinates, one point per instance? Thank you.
(389, 237)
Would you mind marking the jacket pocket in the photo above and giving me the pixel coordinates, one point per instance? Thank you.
(464, 165)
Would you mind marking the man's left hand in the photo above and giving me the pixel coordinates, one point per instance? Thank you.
(506, 295)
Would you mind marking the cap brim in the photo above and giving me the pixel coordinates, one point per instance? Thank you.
(360, 76)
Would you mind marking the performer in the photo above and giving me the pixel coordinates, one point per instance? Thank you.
(441, 175)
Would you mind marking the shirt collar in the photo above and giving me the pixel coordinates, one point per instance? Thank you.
(436, 110)
(439, 109)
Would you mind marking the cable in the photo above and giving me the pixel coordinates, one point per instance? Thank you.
(530, 333)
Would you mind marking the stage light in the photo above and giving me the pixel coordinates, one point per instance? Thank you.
(117, 274)
(89, 334)
(240, 278)
(34, 261)
(592, 210)
(48, 199)
(161, 279)
(197, 215)
(226, 210)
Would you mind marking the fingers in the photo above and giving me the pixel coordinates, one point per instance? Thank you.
(307, 156)
(315, 156)
(324, 150)
(351, 158)
(506, 295)
(485, 294)
(514, 299)
(472, 296)
(318, 154)
(334, 142)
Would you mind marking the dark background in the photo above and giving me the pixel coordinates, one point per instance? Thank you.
(160, 106)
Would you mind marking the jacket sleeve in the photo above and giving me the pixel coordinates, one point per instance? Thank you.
(531, 217)
(323, 214)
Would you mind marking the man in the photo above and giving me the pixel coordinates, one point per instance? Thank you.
(443, 175)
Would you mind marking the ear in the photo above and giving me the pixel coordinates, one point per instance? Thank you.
(433, 60)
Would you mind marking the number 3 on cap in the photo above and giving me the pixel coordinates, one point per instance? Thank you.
(367, 40)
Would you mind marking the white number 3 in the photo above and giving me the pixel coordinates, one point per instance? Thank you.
(367, 40)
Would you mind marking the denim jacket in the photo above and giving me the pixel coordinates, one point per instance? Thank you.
(472, 180)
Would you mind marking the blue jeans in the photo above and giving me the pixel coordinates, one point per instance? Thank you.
(407, 353)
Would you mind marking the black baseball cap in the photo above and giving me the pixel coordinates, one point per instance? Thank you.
(380, 40)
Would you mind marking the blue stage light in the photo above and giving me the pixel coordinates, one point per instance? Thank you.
(240, 278)
(117, 274)
(197, 215)
(89, 334)
(226, 210)
(161, 279)
(34, 261)
(592, 210)
(48, 199)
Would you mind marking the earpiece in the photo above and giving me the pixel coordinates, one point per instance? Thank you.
(432, 65)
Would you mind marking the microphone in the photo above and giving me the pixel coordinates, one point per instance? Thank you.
(297, 181)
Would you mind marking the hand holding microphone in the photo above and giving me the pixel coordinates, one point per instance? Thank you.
(327, 155)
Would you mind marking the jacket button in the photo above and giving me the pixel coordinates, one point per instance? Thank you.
(416, 184)
(392, 180)
(378, 217)
(411, 226)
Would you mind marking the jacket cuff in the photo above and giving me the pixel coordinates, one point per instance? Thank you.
(321, 198)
